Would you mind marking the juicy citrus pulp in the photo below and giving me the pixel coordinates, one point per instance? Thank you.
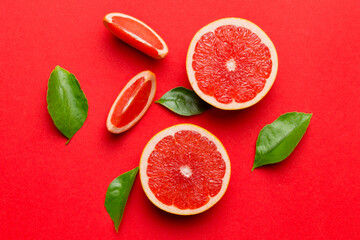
(132, 102)
(231, 63)
(184, 169)
(136, 33)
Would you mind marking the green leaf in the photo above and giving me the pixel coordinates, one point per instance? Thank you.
(277, 140)
(183, 101)
(67, 104)
(117, 195)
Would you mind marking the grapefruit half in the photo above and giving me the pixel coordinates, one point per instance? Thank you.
(132, 102)
(137, 34)
(184, 169)
(231, 63)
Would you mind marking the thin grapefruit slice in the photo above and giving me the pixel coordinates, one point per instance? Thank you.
(132, 102)
(137, 34)
(231, 63)
(184, 169)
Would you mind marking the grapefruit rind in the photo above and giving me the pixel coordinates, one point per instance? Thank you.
(144, 163)
(149, 76)
(161, 52)
(239, 22)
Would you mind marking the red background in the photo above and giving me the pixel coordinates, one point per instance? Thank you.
(52, 191)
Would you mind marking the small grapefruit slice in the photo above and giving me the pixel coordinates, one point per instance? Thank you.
(184, 169)
(132, 102)
(137, 34)
(231, 63)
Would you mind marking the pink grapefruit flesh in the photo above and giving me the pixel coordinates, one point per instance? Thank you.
(136, 33)
(132, 102)
(184, 169)
(231, 63)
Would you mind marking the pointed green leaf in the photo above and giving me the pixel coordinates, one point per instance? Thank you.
(183, 101)
(277, 140)
(67, 104)
(117, 195)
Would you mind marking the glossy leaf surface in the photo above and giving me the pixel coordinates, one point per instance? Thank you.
(277, 140)
(183, 101)
(117, 195)
(67, 104)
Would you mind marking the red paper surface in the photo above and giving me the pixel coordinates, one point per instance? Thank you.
(52, 191)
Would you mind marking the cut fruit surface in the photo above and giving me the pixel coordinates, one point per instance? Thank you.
(132, 102)
(137, 34)
(231, 63)
(184, 169)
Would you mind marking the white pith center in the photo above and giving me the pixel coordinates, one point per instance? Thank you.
(128, 104)
(231, 65)
(130, 101)
(186, 171)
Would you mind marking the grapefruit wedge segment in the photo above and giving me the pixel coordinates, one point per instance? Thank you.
(137, 34)
(132, 102)
(231, 63)
(184, 169)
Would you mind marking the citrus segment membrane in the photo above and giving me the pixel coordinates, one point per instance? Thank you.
(136, 33)
(183, 170)
(193, 166)
(132, 102)
(131, 27)
(231, 63)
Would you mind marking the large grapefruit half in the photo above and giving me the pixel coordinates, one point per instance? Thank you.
(231, 63)
(136, 33)
(184, 169)
(132, 102)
